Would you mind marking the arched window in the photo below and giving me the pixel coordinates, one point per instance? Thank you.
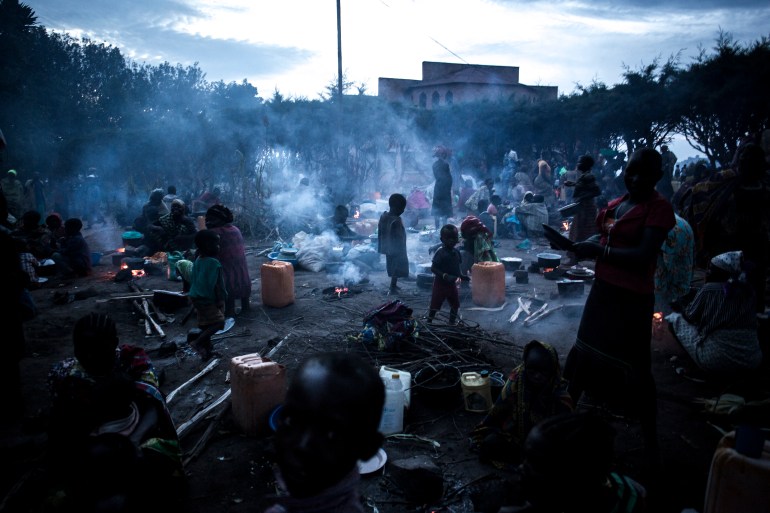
(449, 98)
(435, 99)
(423, 100)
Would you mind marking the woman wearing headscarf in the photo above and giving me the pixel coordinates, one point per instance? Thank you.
(232, 255)
(533, 392)
(718, 328)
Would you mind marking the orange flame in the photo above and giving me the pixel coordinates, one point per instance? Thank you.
(565, 225)
(124, 266)
(121, 250)
(357, 214)
(340, 291)
(138, 273)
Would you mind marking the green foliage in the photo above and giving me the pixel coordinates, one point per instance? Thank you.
(73, 105)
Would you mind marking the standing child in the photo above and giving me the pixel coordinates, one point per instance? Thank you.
(391, 241)
(446, 268)
(207, 291)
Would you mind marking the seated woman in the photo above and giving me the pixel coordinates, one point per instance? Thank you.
(109, 421)
(534, 391)
(718, 328)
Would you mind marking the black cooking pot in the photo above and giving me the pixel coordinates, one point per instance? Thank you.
(438, 386)
(570, 288)
(548, 260)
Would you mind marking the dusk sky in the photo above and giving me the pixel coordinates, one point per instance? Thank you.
(291, 45)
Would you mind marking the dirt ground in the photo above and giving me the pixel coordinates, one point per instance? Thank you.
(230, 472)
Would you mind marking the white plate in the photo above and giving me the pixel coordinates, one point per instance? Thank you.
(373, 464)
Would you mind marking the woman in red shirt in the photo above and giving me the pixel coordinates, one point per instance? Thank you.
(611, 356)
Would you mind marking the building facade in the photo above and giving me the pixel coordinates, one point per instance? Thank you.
(444, 84)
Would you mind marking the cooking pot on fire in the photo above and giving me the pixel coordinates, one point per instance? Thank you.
(548, 260)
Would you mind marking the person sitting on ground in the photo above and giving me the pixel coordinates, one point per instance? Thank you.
(532, 214)
(340, 225)
(718, 328)
(487, 213)
(55, 225)
(446, 270)
(169, 197)
(172, 232)
(534, 391)
(567, 468)
(232, 255)
(74, 255)
(151, 212)
(110, 420)
(391, 241)
(466, 191)
(207, 291)
(29, 264)
(38, 237)
(328, 422)
(417, 207)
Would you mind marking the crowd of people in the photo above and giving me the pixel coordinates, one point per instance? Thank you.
(645, 241)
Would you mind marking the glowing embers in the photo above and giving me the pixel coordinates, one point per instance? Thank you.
(658, 326)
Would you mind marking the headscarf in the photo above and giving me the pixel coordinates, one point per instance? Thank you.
(219, 213)
(729, 262)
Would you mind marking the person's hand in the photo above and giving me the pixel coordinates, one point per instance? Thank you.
(451, 278)
(587, 249)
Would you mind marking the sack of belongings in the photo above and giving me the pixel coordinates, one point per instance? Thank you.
(389, 326)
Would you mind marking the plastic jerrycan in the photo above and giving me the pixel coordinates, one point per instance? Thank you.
(392, 420)
(477, 393)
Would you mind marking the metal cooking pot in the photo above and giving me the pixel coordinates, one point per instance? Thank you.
(548, 260)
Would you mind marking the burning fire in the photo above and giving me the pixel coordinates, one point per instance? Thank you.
(547, 270)
(356, 214)
(657, 325)
(121, 250)
(136, 273)
(565, 225)
(340, 290)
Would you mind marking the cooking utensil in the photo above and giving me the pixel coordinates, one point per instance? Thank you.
(511, 263)
(548, 260)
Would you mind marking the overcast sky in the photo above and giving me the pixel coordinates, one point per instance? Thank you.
(291, 45)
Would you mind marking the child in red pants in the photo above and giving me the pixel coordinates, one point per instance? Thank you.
(446, 270)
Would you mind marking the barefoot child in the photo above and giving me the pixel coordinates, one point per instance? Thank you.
(446, 268)
(207, 291)
(391, 241)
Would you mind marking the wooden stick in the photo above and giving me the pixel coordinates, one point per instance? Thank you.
(202, 373)
(160, 315)
(204, 439)
(536, 312)
(543, 314)
(149, 318)
(181, 430)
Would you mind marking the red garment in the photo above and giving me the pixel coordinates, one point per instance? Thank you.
(626, 232)
(232, 256)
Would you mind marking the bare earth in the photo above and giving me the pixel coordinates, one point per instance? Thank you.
(231, 472)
